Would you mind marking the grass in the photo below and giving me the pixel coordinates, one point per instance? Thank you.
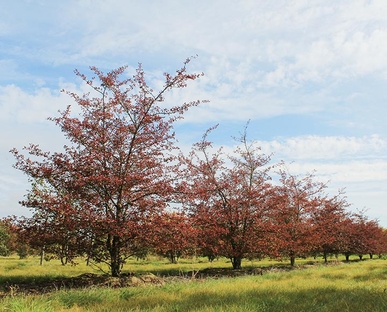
(353, 286)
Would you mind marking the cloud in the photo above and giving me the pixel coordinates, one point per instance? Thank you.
(18, 105)
(327, 148)
(297, 37)
(357, 165)
(345, 173)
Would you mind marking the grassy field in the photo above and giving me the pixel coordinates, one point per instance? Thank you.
(353, 286)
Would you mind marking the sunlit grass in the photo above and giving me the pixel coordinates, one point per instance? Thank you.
(14, 270)
(354, 286)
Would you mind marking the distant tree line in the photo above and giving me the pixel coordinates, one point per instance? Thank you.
(122, 188)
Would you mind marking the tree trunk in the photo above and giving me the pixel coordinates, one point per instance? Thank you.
(115, 268)
(325, 256)
(292, 260)
(172, 256)
(113, 245)
(347, 257)
(63, 260)
(360, 257)
(371, 255)
(236, 262)
(42, 255)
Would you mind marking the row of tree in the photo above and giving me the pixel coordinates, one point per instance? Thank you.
(123, 188)
(322, 230)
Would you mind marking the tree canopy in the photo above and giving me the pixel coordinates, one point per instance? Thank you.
(119, 168)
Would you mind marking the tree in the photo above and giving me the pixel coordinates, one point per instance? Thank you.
(14, 243)
(52, 227)
(375, 239)
(327, 220)
(118, 169)
(382, 243)
(295, 201)
(352, 237)
(366, 237)
(174, 236)
(4, 238)
(228, 201)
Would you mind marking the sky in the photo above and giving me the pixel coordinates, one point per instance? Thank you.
(310, 75)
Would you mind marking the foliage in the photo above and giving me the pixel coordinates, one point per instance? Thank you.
(228, 203)
(305, 218)
(117, 172)
(173, 236)
(327, 225)
(4, 237)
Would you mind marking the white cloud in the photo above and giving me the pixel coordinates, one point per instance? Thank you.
(16, 104)
(344, 173)
(246, 48)
(357, 165)
(326, 148)
(19, 105)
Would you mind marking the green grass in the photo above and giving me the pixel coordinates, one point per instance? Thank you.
(353, 286)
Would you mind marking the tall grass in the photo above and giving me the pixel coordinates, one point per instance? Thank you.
(354, 286)
(14, 270)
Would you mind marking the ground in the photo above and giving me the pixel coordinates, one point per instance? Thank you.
(89, 280)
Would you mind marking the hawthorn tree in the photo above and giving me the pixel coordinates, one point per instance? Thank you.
(14, 242)
(347, 237)
(173, 236)
(4, 239)
(53, 226)
(227, 201)
(365, 236)
(375, 239)
(46, 235)
(382, 246)
(295, 201)
(327, 220)
(118, 169)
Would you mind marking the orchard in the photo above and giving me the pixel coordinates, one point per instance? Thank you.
(122, 188)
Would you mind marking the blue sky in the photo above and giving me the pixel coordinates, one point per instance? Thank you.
(310, 75)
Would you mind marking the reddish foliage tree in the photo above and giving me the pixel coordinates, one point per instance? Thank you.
(295, 201)
(14, 242)
(228, 202)
(352, 238)
(375, 240)
(383, 243)
(119, 169)
(173, 236)
(366, 237)
(52, 227)
(327, 218)
(347, 237)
